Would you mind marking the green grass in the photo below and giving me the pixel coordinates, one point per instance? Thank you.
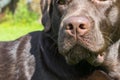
(11, 31)
(20, 24)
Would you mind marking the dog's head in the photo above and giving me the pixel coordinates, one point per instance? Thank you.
(84, 28)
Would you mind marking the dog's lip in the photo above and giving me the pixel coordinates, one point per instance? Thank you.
(100, 59)
(100, 52)
(96, 59)
(97, 55)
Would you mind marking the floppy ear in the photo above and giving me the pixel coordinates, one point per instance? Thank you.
(45, 8)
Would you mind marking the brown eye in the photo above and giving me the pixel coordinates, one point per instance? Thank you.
(61, 2)
(102, 1)
(99, 0)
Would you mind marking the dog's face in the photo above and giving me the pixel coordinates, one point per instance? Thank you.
(85, 28)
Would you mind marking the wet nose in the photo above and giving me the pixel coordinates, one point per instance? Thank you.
(77, 25)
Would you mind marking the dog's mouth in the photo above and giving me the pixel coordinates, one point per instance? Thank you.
(78, 53)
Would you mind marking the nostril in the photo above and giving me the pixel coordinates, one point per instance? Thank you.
(69, 27)
(82, 26)
(77, 25)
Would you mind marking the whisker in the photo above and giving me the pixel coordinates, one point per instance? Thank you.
(107, 38)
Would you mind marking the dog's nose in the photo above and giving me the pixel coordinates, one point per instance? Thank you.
(77, 25)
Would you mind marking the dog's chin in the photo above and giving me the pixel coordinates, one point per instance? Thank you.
(76, 54)
(79, 53)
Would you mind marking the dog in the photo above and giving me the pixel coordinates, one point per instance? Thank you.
(92, 35)
(76, 44)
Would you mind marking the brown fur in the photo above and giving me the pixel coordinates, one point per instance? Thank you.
(104, 35)
(40, 55)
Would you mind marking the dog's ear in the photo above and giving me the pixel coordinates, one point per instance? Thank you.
(45, 8)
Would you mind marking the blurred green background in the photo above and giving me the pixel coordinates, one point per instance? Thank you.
(21, 23)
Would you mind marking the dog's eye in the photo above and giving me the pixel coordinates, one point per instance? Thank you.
(99, 0)
(61, 2)
(102, 2)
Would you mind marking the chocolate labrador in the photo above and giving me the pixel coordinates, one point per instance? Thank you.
(78, 42)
